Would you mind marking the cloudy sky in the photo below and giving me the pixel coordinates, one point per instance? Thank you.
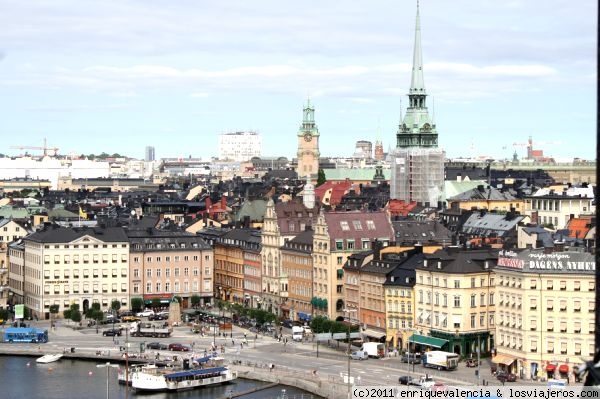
(118, 75)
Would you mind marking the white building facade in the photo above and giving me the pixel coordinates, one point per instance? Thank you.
(239, 146)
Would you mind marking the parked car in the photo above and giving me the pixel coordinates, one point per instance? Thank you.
(145, 313)
(112, 332)
(503, 376)
(414, 358)
(178, 348)
(359, 355)
(159, 316)
(130, 318)
(157, 345)
(405, 380)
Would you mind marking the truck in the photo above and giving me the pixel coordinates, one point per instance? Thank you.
(149, 330)
(297, 333)
(373, 349)
(440, 360)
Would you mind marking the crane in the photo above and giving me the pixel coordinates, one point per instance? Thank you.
(45, 148)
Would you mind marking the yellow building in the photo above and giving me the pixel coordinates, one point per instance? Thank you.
(454, 301)
(487, 197)
(545, 311)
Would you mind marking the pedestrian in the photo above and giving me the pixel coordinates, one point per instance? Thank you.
(244, 335)
(232, 342)
(242, 345)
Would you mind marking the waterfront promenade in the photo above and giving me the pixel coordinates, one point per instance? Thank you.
(294, 364)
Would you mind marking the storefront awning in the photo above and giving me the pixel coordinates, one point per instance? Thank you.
(304, 316)
(427, 341)
(503, 359)
(550, 367)
(373, 333)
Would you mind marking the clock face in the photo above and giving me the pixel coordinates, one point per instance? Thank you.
(307, 137)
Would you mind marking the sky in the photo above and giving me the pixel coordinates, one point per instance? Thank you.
(118, 75)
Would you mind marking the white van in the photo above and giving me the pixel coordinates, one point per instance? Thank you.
(297, 333)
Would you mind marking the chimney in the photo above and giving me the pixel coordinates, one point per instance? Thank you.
(207, 203)
(376, 249)
(480, 188)
(418, 248)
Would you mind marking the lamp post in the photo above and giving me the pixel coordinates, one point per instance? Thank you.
(108, 366)
(478, 361)
(349, 357)
(408, 351)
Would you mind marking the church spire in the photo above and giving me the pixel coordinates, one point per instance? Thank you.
(417, 84)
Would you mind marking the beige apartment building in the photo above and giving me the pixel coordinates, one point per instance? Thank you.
(337, 236)
(169, 263)
(455, 301)
(64, 266)
(546, 311)
(552, 206)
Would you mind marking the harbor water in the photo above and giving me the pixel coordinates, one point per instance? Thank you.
(22, 377)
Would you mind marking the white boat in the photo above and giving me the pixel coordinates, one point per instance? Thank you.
(170, 379)
(49, 358)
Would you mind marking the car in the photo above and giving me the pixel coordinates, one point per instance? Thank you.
(359, 355)
(130, 318)
(159, 316)
(157, 345)
(145, 313)
(287, 323)
(503, 376)
(471, 363)
(178, 348)
(414, 358)
(307, 330)
(439, 386)
(405, 380)
(112, 332)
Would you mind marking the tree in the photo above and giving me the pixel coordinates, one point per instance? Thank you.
(115, 305)
(53, 309)
(73, 313)
(76, 316)
(195, 300)
(4, 314)
(94, 312)
(321, 177)
(179, 299)
(137, 304)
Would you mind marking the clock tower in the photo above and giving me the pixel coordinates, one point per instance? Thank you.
(308, 144)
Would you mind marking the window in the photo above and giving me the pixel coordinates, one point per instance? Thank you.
(349, 244)
(167, 272)
(456, 283)
(149, 273)
(339, 260)
(563, 285)
(533, 346)
(577, 285)
(550, 346)
(577, 306)
(457, 301)
(592, 306)
(482, 319)
(472, 282)
(473, 301)
(533, 324)
(563, 326)
(176, 272)
(148, 287)
(370, 225)
(491, 298)
(533, 284)
(550, 325)
(344, 225)
(482, 300)
(339, 245)
(549, 304)
(357, 225)
(533, 304)
(473, 321)
(550, 285)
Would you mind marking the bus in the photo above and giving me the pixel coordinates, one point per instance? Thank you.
(25, 334)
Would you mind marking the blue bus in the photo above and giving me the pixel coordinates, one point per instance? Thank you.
(25, 334)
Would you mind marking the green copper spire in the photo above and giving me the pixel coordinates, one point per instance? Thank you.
(417, 128)
(417, 84)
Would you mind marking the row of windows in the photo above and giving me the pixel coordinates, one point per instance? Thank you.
(157, 287)
(96, 273)
(183, 245)
(67, 303)
(68, 246)
(456, 283)
(85, 258)
(562, 305)
(176, 258)
(563, 347)
(85, 288)
(404, 307)
(402, 323)
(551, 326)
(456, 299)
(158, 272)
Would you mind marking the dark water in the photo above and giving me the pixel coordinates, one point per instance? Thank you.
(22, 377)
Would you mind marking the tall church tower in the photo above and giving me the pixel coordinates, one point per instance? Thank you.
(308, 144)
(417, 162)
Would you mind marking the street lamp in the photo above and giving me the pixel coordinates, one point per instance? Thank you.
(408, 351)
(349, 354)
(108, 366)
(478, 361)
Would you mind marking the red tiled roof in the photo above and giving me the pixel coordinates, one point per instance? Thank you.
(400, 208)
(578, 228)
(358, 226)
(338, 189)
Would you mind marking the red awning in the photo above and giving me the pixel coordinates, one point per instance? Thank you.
(550, 367)
(563, 368)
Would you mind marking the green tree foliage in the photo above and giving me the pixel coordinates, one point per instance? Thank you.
(320, 324)
(115, 305)
(53, 309)
(195, 300)
(94, 312)
(137, 304)
(321, 177)
(4, 314)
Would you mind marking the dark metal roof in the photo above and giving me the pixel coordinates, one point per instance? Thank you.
(57, 234)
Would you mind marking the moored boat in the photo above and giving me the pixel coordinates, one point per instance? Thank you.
(181, 378)
(49, 358)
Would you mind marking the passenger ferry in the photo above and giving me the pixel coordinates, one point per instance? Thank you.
(153, 379)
